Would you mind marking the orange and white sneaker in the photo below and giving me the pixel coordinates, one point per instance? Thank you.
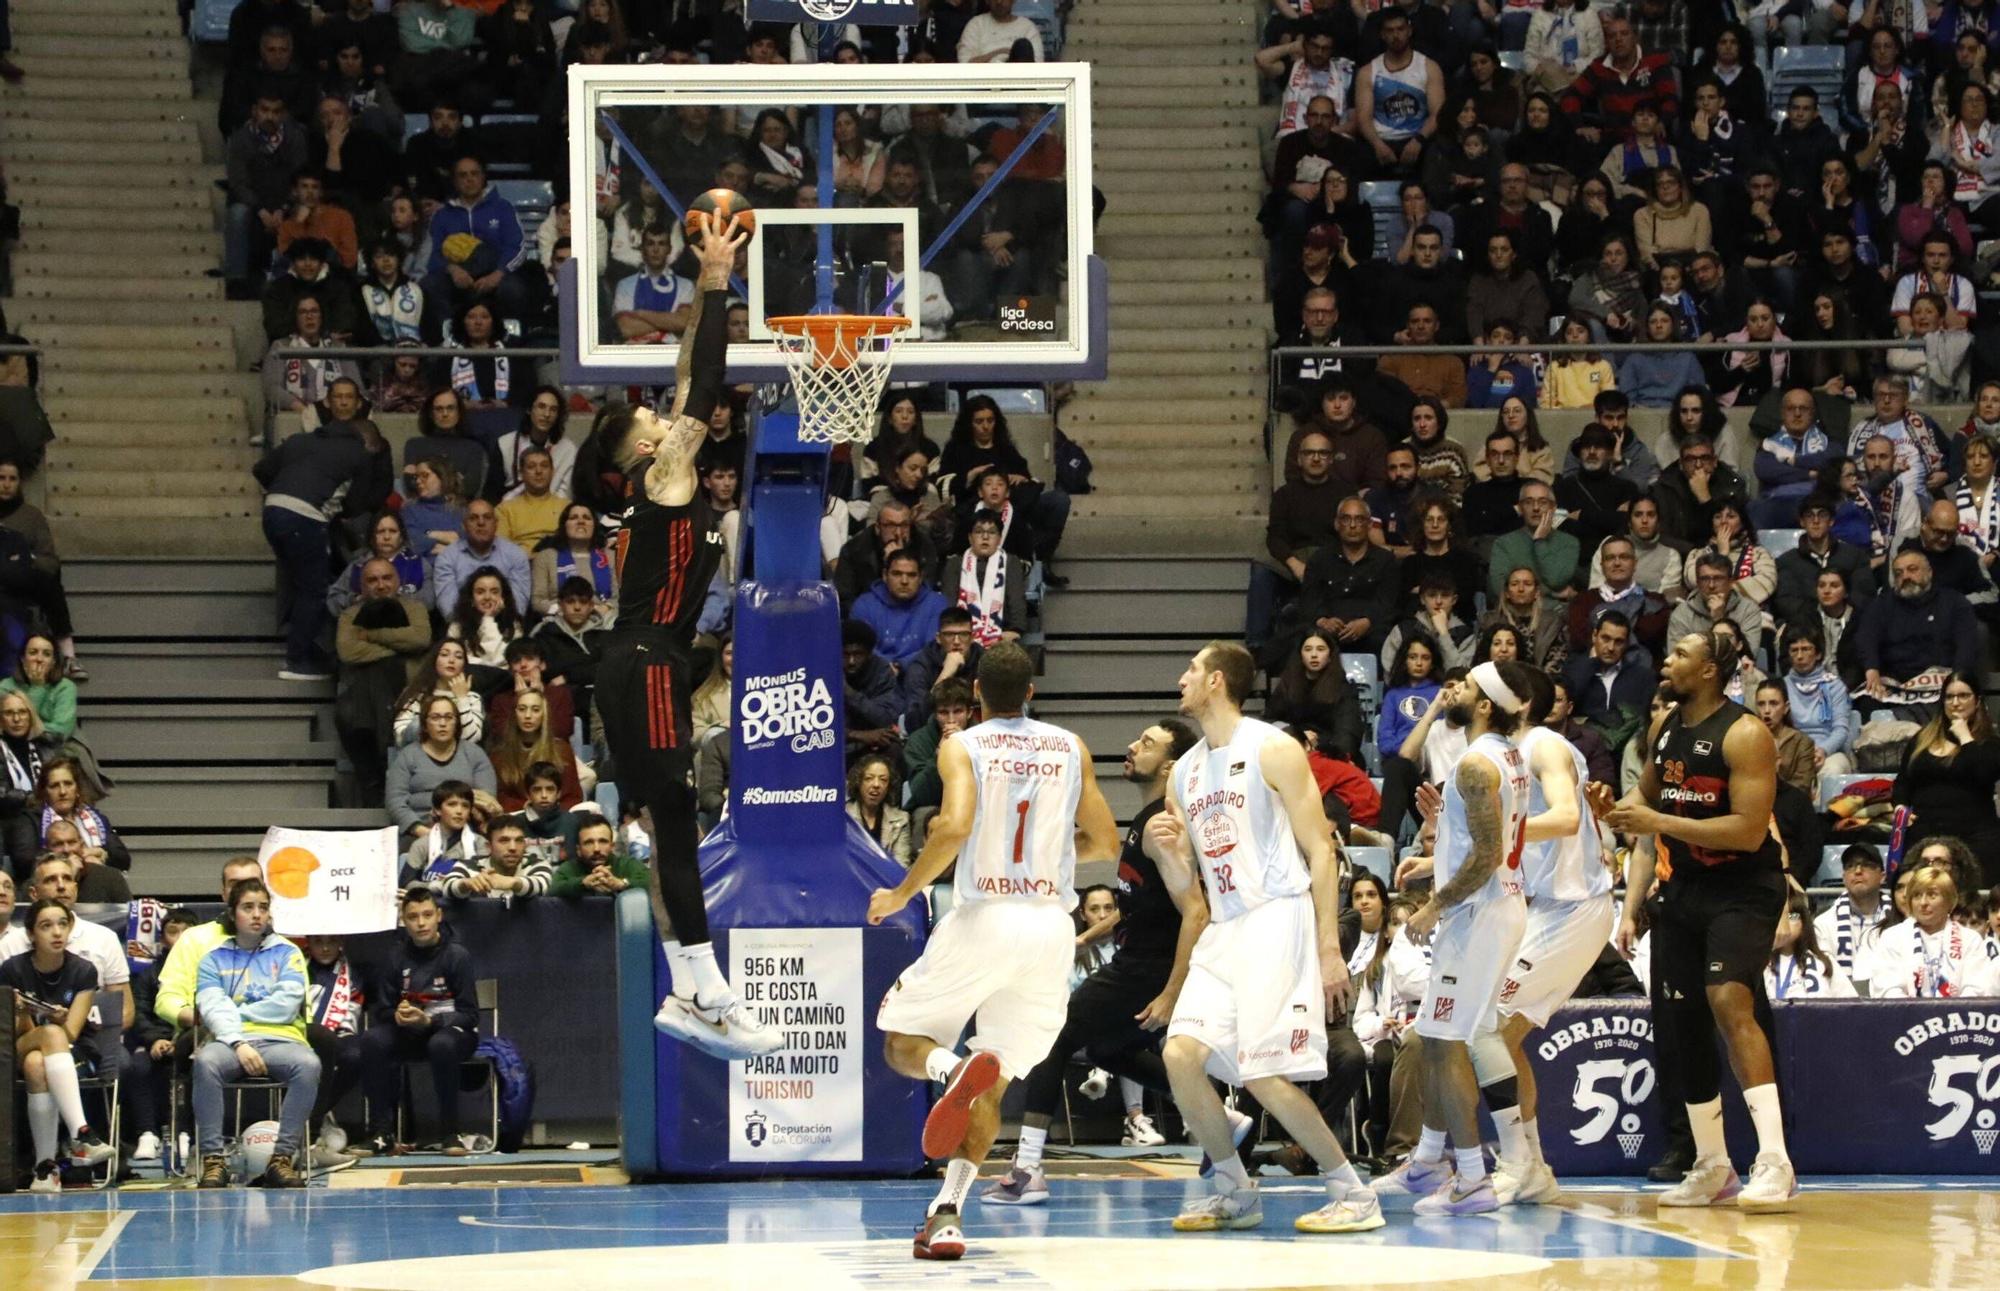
(940, 1238)
(944, 1128)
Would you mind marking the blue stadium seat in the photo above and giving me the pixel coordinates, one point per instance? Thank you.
(209, 24)
(1514, 60)
(1048, 20)
(1364, 673)
(414, 124)
(1022, 399)
(526, 194)
(1829, 863)
(1376, 860)
(1778, 541)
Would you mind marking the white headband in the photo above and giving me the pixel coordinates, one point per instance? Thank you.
(1487, 675)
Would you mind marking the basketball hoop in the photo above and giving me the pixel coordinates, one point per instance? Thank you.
(838, 364)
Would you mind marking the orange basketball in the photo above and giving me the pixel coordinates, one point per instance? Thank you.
(721, 203)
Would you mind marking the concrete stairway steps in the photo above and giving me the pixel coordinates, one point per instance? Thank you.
(1223, 94)
(1242, 335)
(1192, 297)
(64, 338)
(161, 512)
(113, 362)
(126, 731)
(1225, 174)
(209, 535)
(1165, 119)
(39, 176)
(148, 574)
(1179, 50)
(85, 24)
(1118, 80)
(1192, 269)
(227, 671)
(1227, 217)
(244, 822)
(106, 290)
(1134, 409)
(83, 88)
(165, 481)
(1165, 363)
(1174, 512)
(1120, 462)
(1122, 170)
(59, 129)
(1215, 19)
(1166, 385)
(35, 10)
(119, 71)
(71, 193)
(1126, 250)
(1129, 613)
(123, 49)
(87, 274)
(79, 107)
(189, 385)
(77, 245)
(224, 751)
(110, 223)
(128, 409)
(215, 459)
(1235, 536)
(159, 437)
(180, 151)
(1098, 669)
(267, 788)
(1112, 574)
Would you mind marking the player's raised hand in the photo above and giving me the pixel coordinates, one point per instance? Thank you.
(1412, 869)
(885, 903)
(718, 248)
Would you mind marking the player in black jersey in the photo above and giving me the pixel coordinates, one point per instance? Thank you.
(1120, 1011)
(1706, 795)
(667, 551)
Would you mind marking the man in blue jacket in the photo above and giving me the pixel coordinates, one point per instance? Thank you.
(901, 609)
(457, 275)
(1790, 459)
(425, 1005)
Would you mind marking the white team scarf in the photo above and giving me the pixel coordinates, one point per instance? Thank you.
(1849, 924)
(1791, 977)
(465, 380)
(337, 1006)
(1976, 146)
(26, 775)
(1979, 518)
(985, 599)
(1940, 958)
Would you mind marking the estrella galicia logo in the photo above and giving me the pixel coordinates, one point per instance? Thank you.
(755, 1129)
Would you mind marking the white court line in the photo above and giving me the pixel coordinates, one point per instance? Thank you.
(102, 1246)
(1592, 1211)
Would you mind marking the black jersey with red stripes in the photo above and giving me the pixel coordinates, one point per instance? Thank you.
(665, 558)
(1694, 785)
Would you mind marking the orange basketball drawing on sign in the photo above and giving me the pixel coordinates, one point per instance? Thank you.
(290, 872)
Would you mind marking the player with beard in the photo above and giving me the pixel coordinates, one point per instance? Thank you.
(666, 551)
(1477, 909)
(1706, 794)
(1267, 971)
(1570, 917)
(1116, 1015)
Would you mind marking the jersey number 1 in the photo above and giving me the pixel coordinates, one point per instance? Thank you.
(1020, 829)
(1520, 844)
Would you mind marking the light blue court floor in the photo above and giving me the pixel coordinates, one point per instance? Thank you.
(1096, 1235)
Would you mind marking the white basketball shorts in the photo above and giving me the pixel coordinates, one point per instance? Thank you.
(1563, 939)
(1471, 951)
(1253, 995)
(1005, 961)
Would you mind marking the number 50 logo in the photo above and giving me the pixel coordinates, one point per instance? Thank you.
(1632, 1080)
(1958, 1099)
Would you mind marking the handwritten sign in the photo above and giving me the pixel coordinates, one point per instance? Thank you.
(330, 882)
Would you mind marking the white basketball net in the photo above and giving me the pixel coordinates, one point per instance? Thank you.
(838, 381)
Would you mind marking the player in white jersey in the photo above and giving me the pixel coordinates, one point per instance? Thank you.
(1016, 794)
(1570, 920)
(1267, 972)
(1477, 909)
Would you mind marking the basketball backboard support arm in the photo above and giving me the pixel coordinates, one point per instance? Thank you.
(1076, 350)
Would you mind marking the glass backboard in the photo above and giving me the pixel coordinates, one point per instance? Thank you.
(959, 197)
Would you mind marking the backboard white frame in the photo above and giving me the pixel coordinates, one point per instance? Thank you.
(1065, 85)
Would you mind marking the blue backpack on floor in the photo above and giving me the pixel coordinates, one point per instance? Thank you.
(517, 1089)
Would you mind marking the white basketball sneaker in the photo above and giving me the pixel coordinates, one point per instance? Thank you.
(1772, 1186)
(1531, 1184)
(1414, 1178)
(1141, 1133)
(1360, 1211)
(1711, 1181)
(727, 1031)
(1219, 1211)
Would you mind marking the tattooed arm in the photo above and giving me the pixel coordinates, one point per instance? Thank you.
(1478, 783)
(699, 373)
